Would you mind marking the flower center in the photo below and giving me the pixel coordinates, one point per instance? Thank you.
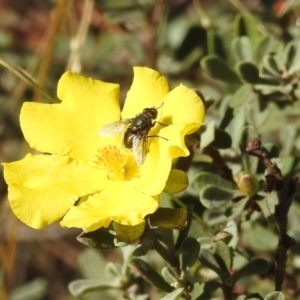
(113, 161)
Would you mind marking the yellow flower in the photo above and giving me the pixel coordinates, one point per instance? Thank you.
(89, 180)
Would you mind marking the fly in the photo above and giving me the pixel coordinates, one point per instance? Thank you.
(135, 132)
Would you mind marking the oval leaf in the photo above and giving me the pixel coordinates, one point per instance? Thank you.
(241, 96)
(169, 218)
(275, 296)
(224, 253)
(250, 73)
(129, 234)
(150, 275)
(219, 70)
(100, 238)
(256, 266)
(222, 139)
(206, 178)
(189, 252)
(242, 48)
(213, 197)
(174, 295)
(177, 182)
(208, 260)
(82, 286)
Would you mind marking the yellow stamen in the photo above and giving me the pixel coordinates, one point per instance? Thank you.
(113, 160)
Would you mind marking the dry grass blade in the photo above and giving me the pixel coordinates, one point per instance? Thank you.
(22, 74)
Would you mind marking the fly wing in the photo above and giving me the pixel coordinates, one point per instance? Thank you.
(140, 148)
(115, 128)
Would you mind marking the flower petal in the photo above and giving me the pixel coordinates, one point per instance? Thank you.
(148, 89)
(41, 188)
(120, 202)
(155, 171)
(183, 106)
(71, 127)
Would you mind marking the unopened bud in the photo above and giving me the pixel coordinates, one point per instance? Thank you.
(247, 184)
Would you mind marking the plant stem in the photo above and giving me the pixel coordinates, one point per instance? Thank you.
(285, 190)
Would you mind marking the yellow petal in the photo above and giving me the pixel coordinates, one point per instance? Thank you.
(120, 202)
(148, 89)
(155, 171)
(41, 188)
(182, 106)
(71, 127)
(175, 135)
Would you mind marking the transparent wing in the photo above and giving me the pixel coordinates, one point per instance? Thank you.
(115, 128)
(140, 148)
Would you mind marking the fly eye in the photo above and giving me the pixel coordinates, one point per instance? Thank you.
(154, 113)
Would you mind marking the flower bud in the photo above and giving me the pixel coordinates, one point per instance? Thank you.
(247, 184)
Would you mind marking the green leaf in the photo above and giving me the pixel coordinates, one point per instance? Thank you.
(205, 290)
(241, 96)
(83, 286)
(275, 296)
(169, 218)
(90, 262)
(174, 295)
(219, 69)
(150, 275)
(129, 234)
(248, 25)
(271, 65)
(267, 89)
(208, 135)
(268, 204)
(213, 197)
(250, 73)
(189, 252)
(288, 55)
(215, 44)
(242, 48)
(222, 139)
(249, 162)
(177, 182)
(197, 291)
(259, 238)
(208, 259)
(295, 66)
(204, 179)
(145, 245)
(223, 252)
(263, 47)
(101, 238)
(33, 290)
(169, 275)
(184, 232)
(256, 266)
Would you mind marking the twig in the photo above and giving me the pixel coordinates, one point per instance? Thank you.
(285, 189)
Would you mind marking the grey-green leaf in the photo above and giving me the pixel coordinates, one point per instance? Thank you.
(150, 275)
(83, 286)
(256, 266)
(189, 252)
(173, 295)
(250, 73)
(204, 179)
(218, 69)
(242, 48)
(100, 238)
(241, 96)
(213, 197)
(275, 296)
(208, 260)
